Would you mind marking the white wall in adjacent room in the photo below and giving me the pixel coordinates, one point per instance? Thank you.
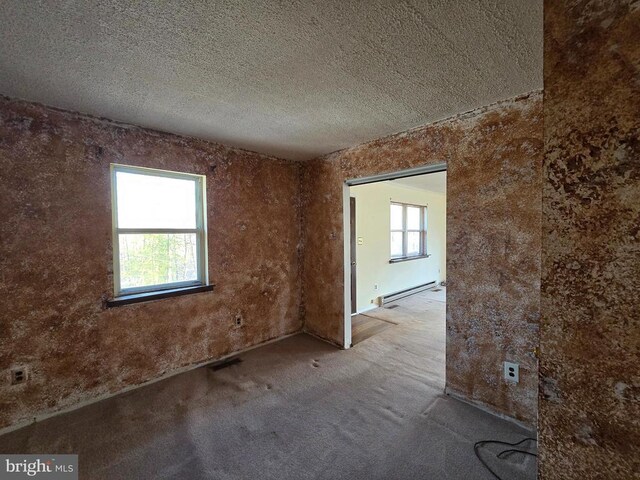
(372, 227)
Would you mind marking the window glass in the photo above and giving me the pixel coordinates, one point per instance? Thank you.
(413, 218)
(159, 234)
(413, 243)
(396, 217)
(408, 230)
(396, 244)
(155, 259)
(146, 201)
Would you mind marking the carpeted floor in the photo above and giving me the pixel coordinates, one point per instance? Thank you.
(295, 409)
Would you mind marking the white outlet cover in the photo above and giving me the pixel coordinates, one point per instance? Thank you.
(511, 372)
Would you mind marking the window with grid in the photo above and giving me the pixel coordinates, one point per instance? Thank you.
(159, 230)
(408, 230)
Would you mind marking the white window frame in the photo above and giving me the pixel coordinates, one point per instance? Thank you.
(405, 237)
(200, 230)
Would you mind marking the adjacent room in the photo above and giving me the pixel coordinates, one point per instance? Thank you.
(320, 239)
(397, 259)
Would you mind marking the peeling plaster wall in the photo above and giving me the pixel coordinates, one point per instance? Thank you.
(589, 425)
(494, 158)
(56, 259)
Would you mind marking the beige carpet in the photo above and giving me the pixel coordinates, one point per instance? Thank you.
(296, 409)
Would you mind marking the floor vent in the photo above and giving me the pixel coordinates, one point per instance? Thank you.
(225, 363)
(392, 306)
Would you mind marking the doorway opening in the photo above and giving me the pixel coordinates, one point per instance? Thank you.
(395, 255)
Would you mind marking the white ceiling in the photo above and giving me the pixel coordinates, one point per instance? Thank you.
(293, 78)
(433, 182)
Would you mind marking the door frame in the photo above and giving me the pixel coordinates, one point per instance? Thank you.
(346, 229)
(352, 257)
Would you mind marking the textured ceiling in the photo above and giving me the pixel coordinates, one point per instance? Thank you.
(433, 182)
(290, 78)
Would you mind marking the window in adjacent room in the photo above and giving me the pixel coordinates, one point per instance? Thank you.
(159, 230)
(408, 231)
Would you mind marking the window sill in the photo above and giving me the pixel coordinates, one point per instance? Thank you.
(158, 295)
(406, 259)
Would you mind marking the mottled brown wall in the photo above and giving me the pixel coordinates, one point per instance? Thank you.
(589, 423)
(494, 158)
(56, 258)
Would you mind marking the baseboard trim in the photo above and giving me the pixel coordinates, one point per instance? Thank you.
(488, 409)
(365, 310)
(43, 416)
(325, 340)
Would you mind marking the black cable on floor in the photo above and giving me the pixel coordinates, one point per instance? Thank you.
(481, 443)
(515, 450)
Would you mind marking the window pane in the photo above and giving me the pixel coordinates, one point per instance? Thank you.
(396, 244)
(413, 243)
(146, 201)
(413, 218)
(156, 259)
(396, 217)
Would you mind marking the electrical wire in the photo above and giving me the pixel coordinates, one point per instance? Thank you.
(515, 450)
(477, 445)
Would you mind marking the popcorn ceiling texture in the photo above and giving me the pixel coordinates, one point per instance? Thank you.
(494, 158)
(291, 78)
(56, 259)
(589, 420)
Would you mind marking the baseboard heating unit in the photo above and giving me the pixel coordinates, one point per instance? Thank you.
(392, 297)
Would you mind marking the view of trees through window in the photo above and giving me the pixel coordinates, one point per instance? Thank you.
(156, 259)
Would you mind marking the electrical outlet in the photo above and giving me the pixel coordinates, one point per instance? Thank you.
(511, 372)
(238, 320)
(19, 375)
(375, 286)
